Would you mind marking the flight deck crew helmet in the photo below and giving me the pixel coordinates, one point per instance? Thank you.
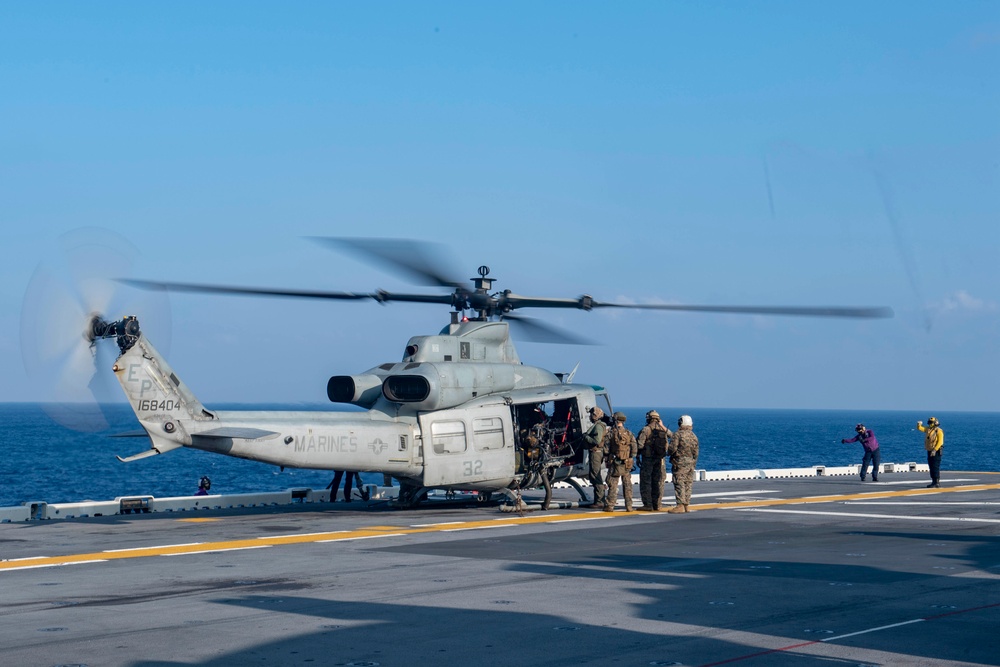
(860, 428)
(652, 415)
(685, 420)
(620, 416)
(932, 421)
(205, 483)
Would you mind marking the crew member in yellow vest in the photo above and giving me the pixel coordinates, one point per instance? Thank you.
(934, 444)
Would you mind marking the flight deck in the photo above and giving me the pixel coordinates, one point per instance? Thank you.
(798, 571)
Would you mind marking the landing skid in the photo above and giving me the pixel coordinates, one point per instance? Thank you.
(516, 504)
(409, 496)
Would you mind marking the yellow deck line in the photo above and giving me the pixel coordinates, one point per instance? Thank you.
(388, 531)
(869, 495)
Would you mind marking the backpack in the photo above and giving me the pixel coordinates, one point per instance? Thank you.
(656, 443)
(619, 444)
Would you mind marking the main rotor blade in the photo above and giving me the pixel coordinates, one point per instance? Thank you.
(514, 301)
(381, 296)
(243, 291)
(587, 303)
(423, 263)
(863, 312)
(534, 331)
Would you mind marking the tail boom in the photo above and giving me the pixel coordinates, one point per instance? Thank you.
(173, 417)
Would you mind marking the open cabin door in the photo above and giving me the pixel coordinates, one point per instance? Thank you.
(468, 448)
(547, 430)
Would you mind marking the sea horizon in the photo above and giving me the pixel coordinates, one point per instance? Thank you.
(45, 461)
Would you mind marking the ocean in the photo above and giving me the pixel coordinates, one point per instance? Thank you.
(43, 461)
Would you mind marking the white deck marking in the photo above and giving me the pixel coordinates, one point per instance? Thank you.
(881, 627)
(871, 516)
(215, 551)
(731, 493)
(360, 537)
(918, 502)
(582, 518)
(922, 482)
(431, 525)
(325, 532)
(160, 546)
(35, 567)
(495, 525)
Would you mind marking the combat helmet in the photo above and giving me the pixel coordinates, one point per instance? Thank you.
(620, 416)
(652, 415)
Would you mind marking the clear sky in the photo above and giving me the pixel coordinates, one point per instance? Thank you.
(752, 153)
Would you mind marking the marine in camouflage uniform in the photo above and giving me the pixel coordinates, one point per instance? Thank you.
(620, 468)
(594, 441)
(683, 452)
(652, 469)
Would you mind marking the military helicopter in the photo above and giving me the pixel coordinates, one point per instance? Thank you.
(459, 411)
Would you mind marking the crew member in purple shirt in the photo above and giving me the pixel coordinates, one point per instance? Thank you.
(868, 440)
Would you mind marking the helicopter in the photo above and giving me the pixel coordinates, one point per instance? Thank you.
(459, 411)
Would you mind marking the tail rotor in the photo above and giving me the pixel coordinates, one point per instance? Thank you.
(69, 299)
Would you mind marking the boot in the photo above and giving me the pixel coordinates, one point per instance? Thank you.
(676, 509)
(609, 508)
(686, 509)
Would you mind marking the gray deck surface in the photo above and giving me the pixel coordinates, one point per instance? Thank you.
(763, 573)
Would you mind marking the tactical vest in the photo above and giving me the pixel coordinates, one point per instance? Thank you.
(619, 444)
(656, 443)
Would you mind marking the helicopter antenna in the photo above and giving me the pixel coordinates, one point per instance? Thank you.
(572, 374)
(482, 282)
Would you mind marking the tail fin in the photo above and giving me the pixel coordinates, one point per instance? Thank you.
(159, 399)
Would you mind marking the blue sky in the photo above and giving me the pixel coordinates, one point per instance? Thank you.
(702, 153)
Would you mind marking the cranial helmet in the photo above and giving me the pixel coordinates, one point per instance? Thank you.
(860, 428)
(620, 416)
(685, 420)
(932, 421)
(651, 415)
